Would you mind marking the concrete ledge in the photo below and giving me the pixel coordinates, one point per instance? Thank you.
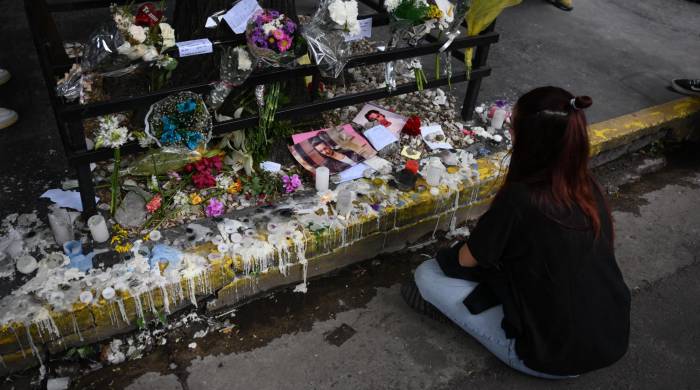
(414, 217)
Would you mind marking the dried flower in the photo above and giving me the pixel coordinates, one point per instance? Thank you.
(412, 126)
(154, 204)
(215, 208)
(195, 199)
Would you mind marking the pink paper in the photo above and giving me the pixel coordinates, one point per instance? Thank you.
(296, 138)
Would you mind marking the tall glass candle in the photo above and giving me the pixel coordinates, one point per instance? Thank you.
(61, 226)
(322, 176)
(98, 228)
(499, 116)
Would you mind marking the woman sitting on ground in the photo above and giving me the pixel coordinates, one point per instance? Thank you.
(537, 282)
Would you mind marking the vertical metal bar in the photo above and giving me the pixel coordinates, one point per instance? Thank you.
(474, 85)
(85, 183)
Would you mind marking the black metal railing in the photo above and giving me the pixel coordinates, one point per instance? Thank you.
(69, 116)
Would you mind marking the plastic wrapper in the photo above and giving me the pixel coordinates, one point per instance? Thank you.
(179, 120)
(161, 161)
(326, 42)
(273, 48)
(235, 67)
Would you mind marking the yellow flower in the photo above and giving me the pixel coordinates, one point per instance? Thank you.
(235, 187)
(434, 12)
(124, 248)
(195, 199)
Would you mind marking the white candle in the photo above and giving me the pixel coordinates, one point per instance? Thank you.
(322, 176)
(499, 116)
(61, 226)
(108, 293)
(98, 228)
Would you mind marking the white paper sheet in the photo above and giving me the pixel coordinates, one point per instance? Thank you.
(67, 199)
(425, 131)
(238, 16)
(352, 173)
(380, 137)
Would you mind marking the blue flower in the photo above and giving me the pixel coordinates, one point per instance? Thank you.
(186, 106)
(193, 139)
(170, 137)
(167, 124)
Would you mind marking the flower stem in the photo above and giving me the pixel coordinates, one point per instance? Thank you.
(115, 181)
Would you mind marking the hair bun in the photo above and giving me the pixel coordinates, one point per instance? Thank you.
(582, 102)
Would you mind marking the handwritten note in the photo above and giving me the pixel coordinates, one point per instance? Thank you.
(194, 47)
(365, 31)
(238, 16)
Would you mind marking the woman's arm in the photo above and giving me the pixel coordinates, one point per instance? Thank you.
(466, 259)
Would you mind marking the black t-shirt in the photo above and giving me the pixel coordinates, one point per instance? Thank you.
(566, 302)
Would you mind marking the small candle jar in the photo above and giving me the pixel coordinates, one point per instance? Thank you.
(499, 116)
(98, 228)
(322, 177)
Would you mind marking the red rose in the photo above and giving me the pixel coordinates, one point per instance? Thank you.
(412, 126)
(148, 15)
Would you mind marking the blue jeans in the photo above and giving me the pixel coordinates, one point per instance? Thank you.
(447, 295)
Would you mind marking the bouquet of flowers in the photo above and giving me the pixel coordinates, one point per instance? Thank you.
(325, 35)
(179, 120)
(411, 20)
(270, 38)
(113, 133)
(235, 67)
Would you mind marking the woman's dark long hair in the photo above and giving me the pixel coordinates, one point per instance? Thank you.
(551, 151)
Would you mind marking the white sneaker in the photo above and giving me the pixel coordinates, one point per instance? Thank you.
(7, 118)
(4, 76)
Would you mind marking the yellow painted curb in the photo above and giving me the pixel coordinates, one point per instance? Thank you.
(416, 214)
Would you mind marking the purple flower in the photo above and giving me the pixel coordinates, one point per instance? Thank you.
(215, 208)
(290, 26)
(291, 183)
(274, 14)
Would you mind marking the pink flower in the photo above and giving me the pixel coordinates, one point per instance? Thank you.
(291, 183)
(279, 34)
(154, 204)
(284, 45)
(174, 175)
(215, 208)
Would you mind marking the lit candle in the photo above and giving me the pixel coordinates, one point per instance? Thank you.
(322, 176)
(499, 116)
(98, 228)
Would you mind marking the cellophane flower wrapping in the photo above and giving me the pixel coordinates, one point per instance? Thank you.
(325, 35)
(179, 120)
(270, 36)
(236, 65)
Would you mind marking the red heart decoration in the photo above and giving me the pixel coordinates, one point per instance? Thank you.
(148, 15)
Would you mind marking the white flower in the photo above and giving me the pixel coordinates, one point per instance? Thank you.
(168, 35)
(124, 49)
(137, 33)
(166, 31)
(122, 21)
(136, 52)
(167, 42)
(448, 14)
(113, 137)
(244, 62)
(223, 182)
(151, 54)
(180, 199)
(344, 13)
(391, 5)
